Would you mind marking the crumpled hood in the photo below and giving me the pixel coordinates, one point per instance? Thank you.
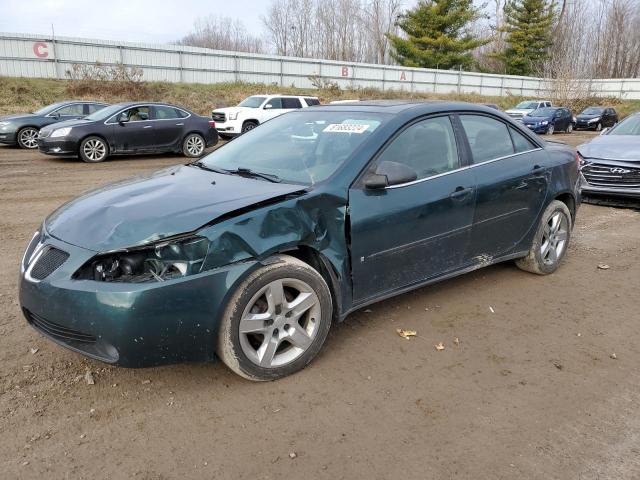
(613, 147)
(149, 208)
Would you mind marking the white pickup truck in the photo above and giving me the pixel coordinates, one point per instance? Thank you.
(525, 108)
(257, 109)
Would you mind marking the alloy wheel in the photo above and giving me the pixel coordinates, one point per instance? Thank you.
(550, 130)
(280, 322)
(554, 238)
(195, 145)
(28, 138)
(570, 128)
(94, 149)
(248, 126)
(598, 127)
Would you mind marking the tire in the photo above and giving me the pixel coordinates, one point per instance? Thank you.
(543, 258)
(248, 125)
(272, 347)
(28, 138)
(93, 150)
(193, 145)
(569, 128)
(599, 127)
(550, 129)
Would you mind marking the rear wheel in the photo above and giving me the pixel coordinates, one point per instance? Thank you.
(570, 128)
(93, 150)
(550, 242)
(28, 138)
(248, 125)
(276, 321)
(193, 146)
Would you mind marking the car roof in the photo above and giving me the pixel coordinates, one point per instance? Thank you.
(283, 96)
(398, 106)
(133, 104)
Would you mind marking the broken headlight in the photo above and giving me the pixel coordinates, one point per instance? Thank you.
(155, 263)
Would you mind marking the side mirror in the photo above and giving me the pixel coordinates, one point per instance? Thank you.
(388, 174)
(122, 118)
(268, 106)
(56, 115)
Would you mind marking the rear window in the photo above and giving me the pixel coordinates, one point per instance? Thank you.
(291, 103)
(312, 101)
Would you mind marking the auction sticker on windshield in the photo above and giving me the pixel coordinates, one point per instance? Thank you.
(345, 128)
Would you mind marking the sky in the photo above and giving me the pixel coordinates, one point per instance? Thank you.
(151, 21)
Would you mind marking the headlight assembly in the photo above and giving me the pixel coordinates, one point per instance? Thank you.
(597, 119)
(233, 115)
(155, 263)
(61, 132)
(544, 122)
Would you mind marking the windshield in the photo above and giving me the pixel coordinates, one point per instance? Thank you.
(252, 102)
(593, 111)
(48, 109)
(527, 105)
(629, 126)
(104, 113)
(543, 112)
(298, 147)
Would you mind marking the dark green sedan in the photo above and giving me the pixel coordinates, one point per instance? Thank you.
(251, 253)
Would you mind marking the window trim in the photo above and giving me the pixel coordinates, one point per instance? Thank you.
(108, 122)
(51, 114)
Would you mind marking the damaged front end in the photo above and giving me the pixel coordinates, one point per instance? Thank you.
(162, 261)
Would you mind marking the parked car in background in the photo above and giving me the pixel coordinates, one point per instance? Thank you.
(22, 129)
(526, 107)
(597, 118)
(255, 250)
(253, 111)
(548, 120)
(610, 163)
(130, 128)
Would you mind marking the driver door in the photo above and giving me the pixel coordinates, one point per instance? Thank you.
(137, 133)
(405, 234)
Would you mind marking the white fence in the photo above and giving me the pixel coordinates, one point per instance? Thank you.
(24, 55)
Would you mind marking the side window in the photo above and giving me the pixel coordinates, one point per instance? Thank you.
(489, 138)
(165, 113)
(181, 113)
(94, 107)
(291, 103)
(276, 104)
(312, 101)
(520, 142)
(75, 110)
(428, 147)
(138, 114)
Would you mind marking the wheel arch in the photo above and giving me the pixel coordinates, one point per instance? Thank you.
(251, 120)
(569, 200)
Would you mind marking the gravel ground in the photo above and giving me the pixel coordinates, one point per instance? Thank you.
(543, 384)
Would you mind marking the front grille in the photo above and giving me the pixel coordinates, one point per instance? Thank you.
(219, 117)
(48, 262)
(611, 176)
(58, 331)
(516, 115)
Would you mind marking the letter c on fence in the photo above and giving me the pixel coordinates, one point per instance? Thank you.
(41, 49)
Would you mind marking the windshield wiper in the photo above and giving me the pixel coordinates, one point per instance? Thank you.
(200, 164)
(251, 173)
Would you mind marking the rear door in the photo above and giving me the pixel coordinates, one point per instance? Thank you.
(406, 234)
(511, 176)
(137, 134)
(168, 126)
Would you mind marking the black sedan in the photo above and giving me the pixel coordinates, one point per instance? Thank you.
(130, 128)
(597, 118)
(22, 129)
(253, 252)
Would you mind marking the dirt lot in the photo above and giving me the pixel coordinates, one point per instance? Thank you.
(530, 392)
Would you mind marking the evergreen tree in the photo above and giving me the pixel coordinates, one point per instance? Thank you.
(437, 35)
(528, 25)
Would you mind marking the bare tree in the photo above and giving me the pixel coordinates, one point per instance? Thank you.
(222, 33)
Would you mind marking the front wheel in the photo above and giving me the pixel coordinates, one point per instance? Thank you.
(550, 129)
(28, 138)
(276, 321)
(248, 125)
(193, 146)
(93, 150)
(550, 242)
(570, 128)
(599, 127)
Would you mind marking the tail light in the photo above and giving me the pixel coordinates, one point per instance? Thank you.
(212, 124)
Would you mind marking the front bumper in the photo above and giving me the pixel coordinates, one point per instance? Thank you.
(55, 146)
(131, 325)
(586, 126)
(595, 190)
(8, 137)
(229, 128)
(537, 128)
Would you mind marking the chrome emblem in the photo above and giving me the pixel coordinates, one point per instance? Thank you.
(619, 170)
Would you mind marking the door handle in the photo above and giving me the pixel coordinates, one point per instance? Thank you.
(179, 124)
(147, 126)
(537, 170)
(460, 193)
